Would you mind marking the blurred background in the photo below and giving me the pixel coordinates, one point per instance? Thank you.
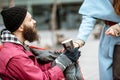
(58, 20)
(54, 16)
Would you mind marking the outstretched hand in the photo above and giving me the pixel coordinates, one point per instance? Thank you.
(78, 43)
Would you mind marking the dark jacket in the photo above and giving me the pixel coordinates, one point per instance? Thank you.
(72, 72)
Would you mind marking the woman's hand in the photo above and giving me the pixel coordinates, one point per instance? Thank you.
(78, 43)
(113, 30)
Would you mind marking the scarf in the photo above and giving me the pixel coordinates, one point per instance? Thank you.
(7, 36)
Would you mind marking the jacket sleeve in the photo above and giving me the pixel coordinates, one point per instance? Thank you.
(86, 27)
(25, 69)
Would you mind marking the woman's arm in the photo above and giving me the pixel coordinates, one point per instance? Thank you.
(85, 29)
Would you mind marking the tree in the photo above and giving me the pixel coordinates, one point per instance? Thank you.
(53, 22)
(11, 3)
(1, 4)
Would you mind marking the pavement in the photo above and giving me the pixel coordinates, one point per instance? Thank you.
(89, 53)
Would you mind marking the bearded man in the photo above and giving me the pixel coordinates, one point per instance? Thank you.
(17, 62)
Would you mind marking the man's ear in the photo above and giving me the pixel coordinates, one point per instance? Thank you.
(21, 28)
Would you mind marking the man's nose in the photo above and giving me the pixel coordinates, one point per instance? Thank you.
(34, 21)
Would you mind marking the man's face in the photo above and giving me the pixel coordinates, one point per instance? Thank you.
(30, 33)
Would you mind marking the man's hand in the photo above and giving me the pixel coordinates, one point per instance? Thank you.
(113, 30)
(72, 54)
(67, 58)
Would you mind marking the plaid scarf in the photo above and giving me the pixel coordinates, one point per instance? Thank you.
(7, 36)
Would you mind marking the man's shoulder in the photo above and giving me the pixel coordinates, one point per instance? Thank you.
(9, 51)
(11, 48)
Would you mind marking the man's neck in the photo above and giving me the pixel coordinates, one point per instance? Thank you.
(19, 37)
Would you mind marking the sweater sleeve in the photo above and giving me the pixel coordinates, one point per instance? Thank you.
(86, 27)
(23, 68)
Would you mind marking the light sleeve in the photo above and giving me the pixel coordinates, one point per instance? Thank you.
(86, 27)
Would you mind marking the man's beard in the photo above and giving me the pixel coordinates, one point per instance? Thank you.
(30, 34)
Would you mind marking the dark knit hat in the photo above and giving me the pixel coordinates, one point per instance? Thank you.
(13, 17)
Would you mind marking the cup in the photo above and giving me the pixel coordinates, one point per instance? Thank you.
(68, 44)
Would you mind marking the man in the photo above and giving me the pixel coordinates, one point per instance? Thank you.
(16, 61)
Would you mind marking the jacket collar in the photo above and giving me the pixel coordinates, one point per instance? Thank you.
(7, 36)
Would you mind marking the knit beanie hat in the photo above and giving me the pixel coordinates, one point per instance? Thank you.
(13, 17)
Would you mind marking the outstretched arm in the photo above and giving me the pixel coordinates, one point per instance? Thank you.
(85, 29)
